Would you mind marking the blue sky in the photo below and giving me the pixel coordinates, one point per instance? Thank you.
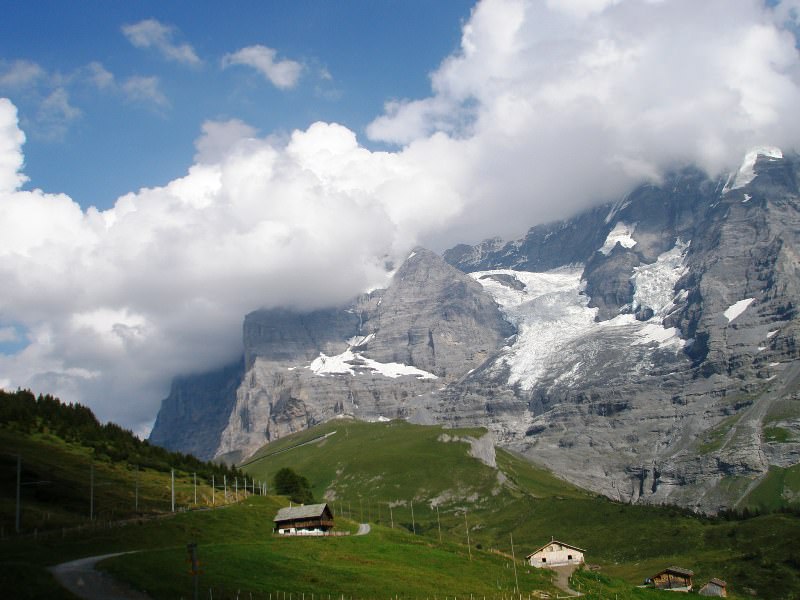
(355, 55)
(166, 168)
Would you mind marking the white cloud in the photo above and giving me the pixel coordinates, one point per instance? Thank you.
(145, 90)
(11, 140)
(150, 33)
(19, 74)
(55, 114)
(219, 137)
(99, 76)
(283, 74)
(560, 104)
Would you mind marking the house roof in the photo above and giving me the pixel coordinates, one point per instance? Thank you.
(718, 582)
(304, 511)
(555, 542)
(676, 571)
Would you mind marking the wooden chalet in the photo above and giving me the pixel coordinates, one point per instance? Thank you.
(555, 554)
(715, 587)
(675, 579)
(307, 519)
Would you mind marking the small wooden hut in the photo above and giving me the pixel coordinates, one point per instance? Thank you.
(308, 519)
(715, 587)
(676, 579)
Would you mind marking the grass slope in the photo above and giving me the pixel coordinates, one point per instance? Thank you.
(364, 469)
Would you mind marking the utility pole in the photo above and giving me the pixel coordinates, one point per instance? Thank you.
(514, 562)
(466, 523)
(19, 493)
(91, 491)
(172, 486)
(195, 488)
(213, 499)
(439, 523)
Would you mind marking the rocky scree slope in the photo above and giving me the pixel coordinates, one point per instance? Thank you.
(640, 349)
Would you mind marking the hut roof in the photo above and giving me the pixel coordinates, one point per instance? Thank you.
(676, 571)
(718, 582)
(305, 511)
(555, 542)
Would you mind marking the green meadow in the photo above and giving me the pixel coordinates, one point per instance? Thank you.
(442, 526)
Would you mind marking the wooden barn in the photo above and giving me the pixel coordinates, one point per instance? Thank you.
(675, 579)
(715, 587)
(308, 519)
(555, 554)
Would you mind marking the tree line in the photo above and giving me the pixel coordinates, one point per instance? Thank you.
(27, 414)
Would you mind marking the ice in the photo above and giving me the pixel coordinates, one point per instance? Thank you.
(654, 284)
(736, 309)
(359, 340)
(622, 234)
(551, 313)
(747, 172)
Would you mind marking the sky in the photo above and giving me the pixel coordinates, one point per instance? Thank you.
(166, 168)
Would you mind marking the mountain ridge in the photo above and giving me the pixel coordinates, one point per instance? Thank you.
(611, 347)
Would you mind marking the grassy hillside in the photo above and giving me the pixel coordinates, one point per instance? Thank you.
(375, 471)
(75, 471)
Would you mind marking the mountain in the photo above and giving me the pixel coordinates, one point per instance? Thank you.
(644, 349)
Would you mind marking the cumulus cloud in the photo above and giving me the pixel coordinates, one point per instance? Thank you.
(151, 33)
(544, 109)
(283, 74)
(99, 76)
(114, 303)
(559, 104)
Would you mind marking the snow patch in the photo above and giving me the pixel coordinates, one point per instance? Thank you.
(622, 234)
(747, 198)
(346, 362)
(359, 340)
(736, 309)
(771, 333)
(774, 364)
(747, 172)
(412, 255)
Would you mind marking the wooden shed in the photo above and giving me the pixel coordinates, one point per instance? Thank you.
(555, 554)
(715, 587)
(676, 579)
(308, 519)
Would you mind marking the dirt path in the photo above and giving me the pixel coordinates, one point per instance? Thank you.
(363, 529)
(562, 578)
(82, 579)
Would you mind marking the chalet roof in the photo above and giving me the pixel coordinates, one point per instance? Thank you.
(555, 542)
(676, 571)
(718, 582)
(304, 511)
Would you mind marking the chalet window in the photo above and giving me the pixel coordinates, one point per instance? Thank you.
(569, 556)
(544, 559)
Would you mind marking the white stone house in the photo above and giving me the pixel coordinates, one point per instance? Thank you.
(555, 554)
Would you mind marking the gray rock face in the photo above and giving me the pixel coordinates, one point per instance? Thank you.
(194, 414)
(370, 359)
(639, 349)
